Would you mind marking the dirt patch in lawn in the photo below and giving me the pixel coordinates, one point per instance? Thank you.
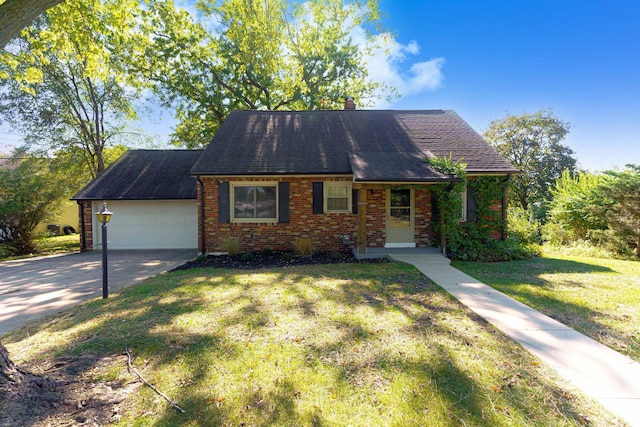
(67, 392)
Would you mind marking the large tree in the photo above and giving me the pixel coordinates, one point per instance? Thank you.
(241, 54)
(533, 144)
(17, 14)
(62, 80)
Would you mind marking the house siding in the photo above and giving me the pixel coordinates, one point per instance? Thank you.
(325, 229)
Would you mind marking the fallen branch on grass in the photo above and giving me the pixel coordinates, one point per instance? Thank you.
(171, 402)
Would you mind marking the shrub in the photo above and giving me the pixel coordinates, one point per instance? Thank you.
(304, 246)
(267, 251)
(287, 256)
(201, 258)
(522, 226)
(247, 256)
(471, 244)
(231, 246)
(336, 255)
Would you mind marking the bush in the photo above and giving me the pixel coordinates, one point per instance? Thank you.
(231, 246)
(522, 226)
(287, 256)
(247, 256)
(304, 246)
(267, 251)
(337, 255)
(471, 244)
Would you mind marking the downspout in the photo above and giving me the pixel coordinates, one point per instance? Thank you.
(202, 234)
(503, 234)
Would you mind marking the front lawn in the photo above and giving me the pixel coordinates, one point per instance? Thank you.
(331, 345)
(596, 296)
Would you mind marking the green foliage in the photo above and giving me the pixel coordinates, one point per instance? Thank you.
(621, 188)
(240, 55)
(523, 226)
(267, 251)
(304, 246)
(448, 197)
(574, 209)
(472, 241)
(62, 80)
(337, 255)
(287, 256)
(247, 256)
(533, 144)
(30, 192)
(231, 246)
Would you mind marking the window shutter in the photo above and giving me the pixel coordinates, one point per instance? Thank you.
(283, 202)
(318, 198)
(435, 210)
(224, 210)
(471, 205)
(354, 201)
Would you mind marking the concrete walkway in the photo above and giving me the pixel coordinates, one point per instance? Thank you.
(606, 375)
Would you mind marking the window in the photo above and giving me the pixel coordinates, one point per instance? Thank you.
(337, 197)
(254, 202)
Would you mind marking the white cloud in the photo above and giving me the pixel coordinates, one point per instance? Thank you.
(391, 64)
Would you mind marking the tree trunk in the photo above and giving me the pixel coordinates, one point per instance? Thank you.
(10, 375)
(18, 14)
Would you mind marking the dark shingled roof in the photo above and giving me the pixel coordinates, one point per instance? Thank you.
(371, 145)
(144, 175)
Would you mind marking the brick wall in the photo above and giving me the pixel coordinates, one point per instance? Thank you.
(85, 218)
(324, 229)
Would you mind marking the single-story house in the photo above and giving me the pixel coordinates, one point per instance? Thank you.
(345, 178)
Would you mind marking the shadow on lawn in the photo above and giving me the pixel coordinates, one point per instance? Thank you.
(147, 320)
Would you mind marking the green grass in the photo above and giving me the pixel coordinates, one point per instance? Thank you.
(596, 296)
(354, 344)
(46, 245)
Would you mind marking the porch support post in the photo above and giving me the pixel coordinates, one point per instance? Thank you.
(362, 224)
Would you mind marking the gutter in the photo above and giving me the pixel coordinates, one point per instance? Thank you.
(202, 234)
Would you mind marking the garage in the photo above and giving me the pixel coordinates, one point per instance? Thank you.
(153, 198)
(149, 224)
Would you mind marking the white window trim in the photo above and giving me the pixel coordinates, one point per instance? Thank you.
(349, 187)
(232, 201)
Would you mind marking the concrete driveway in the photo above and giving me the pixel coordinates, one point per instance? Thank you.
(33, 288)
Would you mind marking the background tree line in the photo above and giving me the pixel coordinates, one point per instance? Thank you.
(552, 201)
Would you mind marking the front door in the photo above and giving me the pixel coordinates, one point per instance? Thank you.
(400, 219)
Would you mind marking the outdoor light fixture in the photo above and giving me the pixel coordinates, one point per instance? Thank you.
(104, 216)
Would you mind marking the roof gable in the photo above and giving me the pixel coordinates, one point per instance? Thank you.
(145, 175)
(371, 145)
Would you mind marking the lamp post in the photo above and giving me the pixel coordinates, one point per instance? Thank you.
(104, 216)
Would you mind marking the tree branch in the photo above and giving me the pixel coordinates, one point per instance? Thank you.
(171, 402)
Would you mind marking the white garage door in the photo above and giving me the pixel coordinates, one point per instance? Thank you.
(159, 224)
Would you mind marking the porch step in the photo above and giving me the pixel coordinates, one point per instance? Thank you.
(372, 253)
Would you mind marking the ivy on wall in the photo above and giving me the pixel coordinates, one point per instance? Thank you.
(472, 240)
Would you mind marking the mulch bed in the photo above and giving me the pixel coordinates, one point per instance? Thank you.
(276, 259)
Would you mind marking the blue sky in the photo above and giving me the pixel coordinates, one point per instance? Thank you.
(487, 58)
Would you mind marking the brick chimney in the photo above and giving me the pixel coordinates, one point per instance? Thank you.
(349, 103)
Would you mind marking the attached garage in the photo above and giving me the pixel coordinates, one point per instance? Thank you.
(149, 224)
(153, 199)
